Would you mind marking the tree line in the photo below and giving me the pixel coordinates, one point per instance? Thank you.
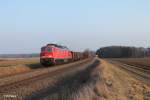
(123, 52)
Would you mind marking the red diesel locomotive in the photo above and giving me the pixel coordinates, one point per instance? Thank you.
(52, 54)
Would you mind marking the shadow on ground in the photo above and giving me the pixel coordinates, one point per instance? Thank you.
(34, 66)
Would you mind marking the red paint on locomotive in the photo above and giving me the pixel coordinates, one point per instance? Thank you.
(54, 54)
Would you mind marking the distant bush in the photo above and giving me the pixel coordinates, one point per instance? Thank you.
(123, 52)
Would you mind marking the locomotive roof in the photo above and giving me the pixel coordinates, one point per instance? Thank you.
(59, 46)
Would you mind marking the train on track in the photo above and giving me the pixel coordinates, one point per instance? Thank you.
(53, 54)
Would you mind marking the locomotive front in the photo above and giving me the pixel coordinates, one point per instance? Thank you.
(52, 54)
(46, 56)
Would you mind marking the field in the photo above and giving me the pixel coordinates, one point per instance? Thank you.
(88, 79)
(29, 84)
(130, 80)
(136, 61)
(138, 66)
(15, 66)
(7, 62)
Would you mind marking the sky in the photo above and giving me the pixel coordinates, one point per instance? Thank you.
(27, 25)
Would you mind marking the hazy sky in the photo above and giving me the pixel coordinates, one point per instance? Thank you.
(26, 25)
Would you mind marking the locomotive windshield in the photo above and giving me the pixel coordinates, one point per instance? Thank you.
(43, 49)
(46, 49)
(49, 49)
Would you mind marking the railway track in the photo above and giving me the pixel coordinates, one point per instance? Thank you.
(12, 87)
(138, 71)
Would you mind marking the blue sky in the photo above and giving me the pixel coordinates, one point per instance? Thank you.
(26, 25)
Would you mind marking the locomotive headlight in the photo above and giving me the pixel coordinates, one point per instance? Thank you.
(50, 56)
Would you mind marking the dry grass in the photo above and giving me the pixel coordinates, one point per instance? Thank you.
(77, 84)
(42, 82)
(7, 71)
(15, 66)
(104, 82)
(14, 62)
(123, 85)
(94, 90)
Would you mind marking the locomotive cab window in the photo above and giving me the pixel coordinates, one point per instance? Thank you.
(43, 49)
(49, 49)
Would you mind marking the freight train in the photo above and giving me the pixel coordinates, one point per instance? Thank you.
(53, 54)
